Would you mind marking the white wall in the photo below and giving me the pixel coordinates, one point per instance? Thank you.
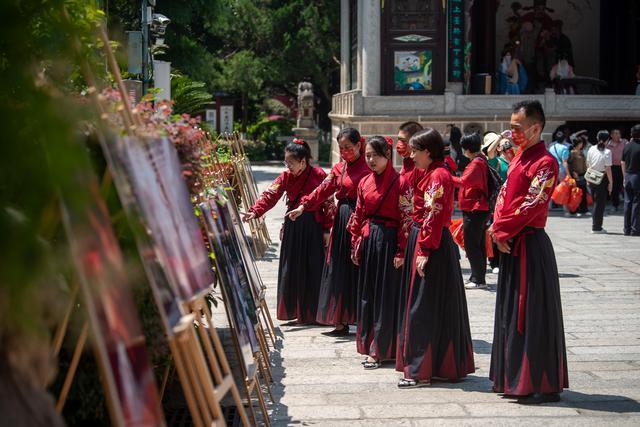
(581, 24)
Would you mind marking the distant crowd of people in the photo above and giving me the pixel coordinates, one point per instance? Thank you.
(384, 259)
(604, 168)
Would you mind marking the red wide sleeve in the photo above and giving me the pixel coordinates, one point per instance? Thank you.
(437, 187)
(471, 177)
(406, 209)
(356, 222)
(521, 207)
(270, 196)
(322, 192)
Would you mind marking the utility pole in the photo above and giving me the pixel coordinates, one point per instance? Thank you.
(147, 15)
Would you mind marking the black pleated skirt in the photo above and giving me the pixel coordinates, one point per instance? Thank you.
(437, 339)
(534, 361)
(378, 284)
(339, 286)
(300, 269)
(403, 291)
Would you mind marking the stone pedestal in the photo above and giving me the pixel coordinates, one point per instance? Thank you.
(310, 135)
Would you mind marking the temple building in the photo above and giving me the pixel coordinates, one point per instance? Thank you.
(467, 62)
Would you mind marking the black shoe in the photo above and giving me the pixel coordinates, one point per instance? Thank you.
(338, 332)
(539, 398)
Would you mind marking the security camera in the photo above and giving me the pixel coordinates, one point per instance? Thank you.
(159, 24)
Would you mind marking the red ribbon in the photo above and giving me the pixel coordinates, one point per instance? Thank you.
(389, 141)
(298, 141)
(520, 250)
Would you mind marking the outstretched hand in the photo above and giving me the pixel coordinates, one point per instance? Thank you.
(247, 216)
(295, 213)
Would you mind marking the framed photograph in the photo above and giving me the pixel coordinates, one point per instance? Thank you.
(167, 213)
(232, 276)
(116, 332)
(413, 70)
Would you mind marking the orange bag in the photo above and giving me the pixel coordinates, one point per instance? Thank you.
(575, 199)
(562, 192)
(456, 231)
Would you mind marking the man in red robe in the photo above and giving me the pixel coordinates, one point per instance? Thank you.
(528, 358)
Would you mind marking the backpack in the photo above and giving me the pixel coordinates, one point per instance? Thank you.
(494, 183)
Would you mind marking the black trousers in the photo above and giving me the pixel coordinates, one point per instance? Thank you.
(582, 184)
(474, 225)
(632, 204)
(617, 186)
(599, 193)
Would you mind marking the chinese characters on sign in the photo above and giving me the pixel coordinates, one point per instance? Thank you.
(456, 40)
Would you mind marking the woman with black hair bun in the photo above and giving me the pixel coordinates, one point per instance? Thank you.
(302, 247)
(339, 286)
(379, 227)
(437, 342)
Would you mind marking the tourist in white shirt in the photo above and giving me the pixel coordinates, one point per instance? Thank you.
(599, 159)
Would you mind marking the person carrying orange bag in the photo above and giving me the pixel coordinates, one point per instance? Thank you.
(562, 193)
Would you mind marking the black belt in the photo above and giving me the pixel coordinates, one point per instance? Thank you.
(380, 218)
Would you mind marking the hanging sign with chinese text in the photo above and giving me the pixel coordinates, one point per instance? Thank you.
(455, 28)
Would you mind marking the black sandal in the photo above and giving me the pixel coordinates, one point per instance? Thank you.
(369, 365)
(411, 383)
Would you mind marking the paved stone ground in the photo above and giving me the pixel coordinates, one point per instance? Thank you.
(319, 380)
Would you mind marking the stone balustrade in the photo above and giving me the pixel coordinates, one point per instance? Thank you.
(352, 104)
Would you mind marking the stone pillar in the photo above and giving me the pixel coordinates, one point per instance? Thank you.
(359, 29)
(345, 45)
(371, 69)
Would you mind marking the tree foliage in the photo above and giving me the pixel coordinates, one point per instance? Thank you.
(251, 49)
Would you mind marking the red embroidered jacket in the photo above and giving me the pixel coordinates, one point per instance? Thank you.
(340, 181)
(394, 210)
(412, 175)
(524, 197)
(474, 184)
(437, 190)
(310, 178)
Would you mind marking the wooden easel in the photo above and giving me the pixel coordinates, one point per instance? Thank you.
(251, 380)
(205, 375)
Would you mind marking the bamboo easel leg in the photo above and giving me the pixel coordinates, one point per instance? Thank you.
(223, 369)
(263, 404)
(266, 378)
(82, 339)
(207, 386)
(248, 389)
(267, 316)
(61, 331)
(186, 385)
(165, 379)
(264, 353)
(194, 380)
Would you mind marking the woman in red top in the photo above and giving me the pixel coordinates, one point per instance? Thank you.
(412, 176)
(528, 358)
(339, 286)
(473, 199)
(437, 342)
(379, 227)
(302, 249)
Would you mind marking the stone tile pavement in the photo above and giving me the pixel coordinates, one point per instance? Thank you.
(319, 380)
